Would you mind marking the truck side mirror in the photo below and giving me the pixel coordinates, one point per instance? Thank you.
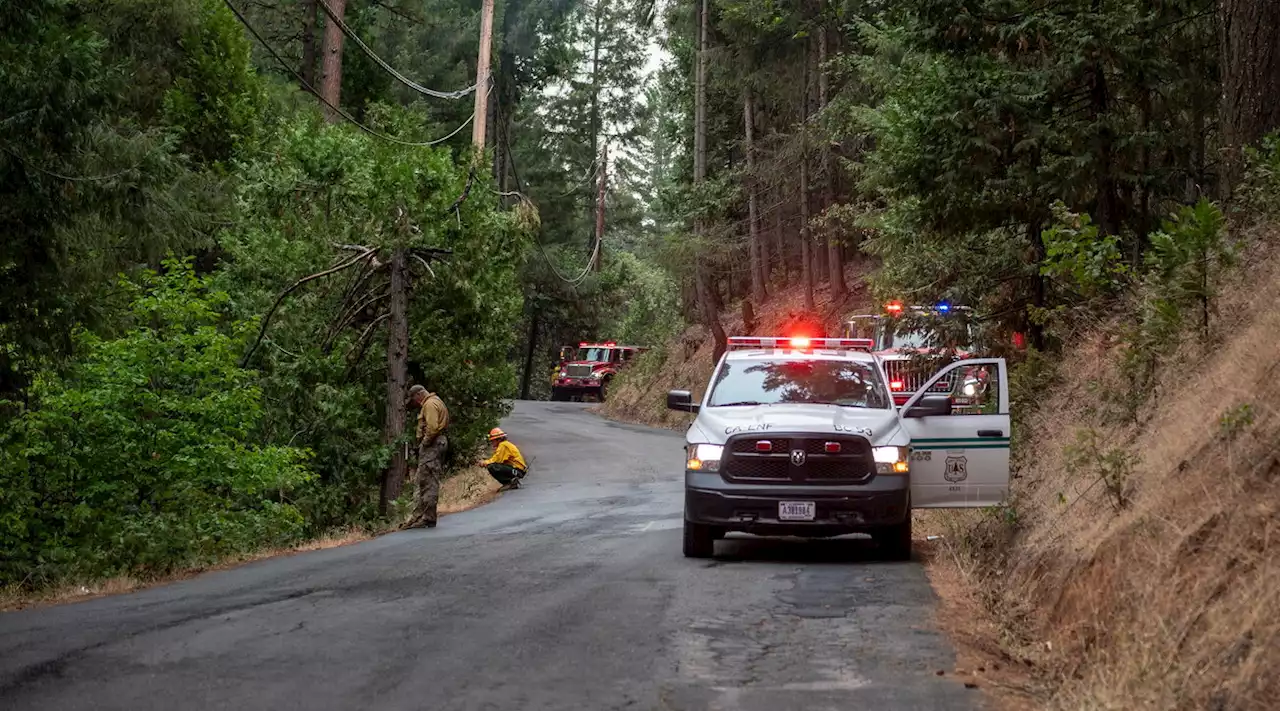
(681, 400)
(930, 406)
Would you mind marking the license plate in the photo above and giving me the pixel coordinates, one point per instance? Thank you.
(795, 511)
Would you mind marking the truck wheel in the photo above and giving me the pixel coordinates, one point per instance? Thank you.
(699, 541)
(895, 541)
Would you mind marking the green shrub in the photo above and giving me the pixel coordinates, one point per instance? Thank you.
(139, 459)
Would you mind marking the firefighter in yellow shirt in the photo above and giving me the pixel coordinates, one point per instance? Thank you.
(507, 464)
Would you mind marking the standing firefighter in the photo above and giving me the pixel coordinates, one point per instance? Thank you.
(507, 464)
(433, 420)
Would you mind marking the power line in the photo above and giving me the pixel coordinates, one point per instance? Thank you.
(595, 251)
(336, 109)
(346, 30)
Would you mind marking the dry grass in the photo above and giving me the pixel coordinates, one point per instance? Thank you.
(1168, 601)
(466, 490)
(15, 598)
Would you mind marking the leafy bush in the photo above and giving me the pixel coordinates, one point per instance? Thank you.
(1079, 258)
(1260, 192)
(139, 459)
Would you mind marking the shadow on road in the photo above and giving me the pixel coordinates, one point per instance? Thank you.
(740, 548)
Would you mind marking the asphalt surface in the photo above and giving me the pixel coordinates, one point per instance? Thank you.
(570, 593)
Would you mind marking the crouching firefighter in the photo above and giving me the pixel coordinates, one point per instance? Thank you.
(506, 465)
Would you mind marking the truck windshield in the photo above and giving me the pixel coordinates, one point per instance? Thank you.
(596, 355)
(807, 381)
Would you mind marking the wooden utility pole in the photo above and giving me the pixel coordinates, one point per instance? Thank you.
(331, 74)
(604, 185)
(480, 123)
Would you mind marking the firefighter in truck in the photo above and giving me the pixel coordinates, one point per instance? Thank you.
(913, 342)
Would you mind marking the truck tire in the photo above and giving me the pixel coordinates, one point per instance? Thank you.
(895, 541)
(699, 541)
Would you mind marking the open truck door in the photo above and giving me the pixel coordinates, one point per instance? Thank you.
(960, 437)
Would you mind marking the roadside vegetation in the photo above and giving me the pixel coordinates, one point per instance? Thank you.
(205, 231)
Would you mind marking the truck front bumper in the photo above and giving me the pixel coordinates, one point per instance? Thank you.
(838, 510)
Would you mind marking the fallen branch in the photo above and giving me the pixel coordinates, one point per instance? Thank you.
(266, 319)
(356, 354)
(350, 315)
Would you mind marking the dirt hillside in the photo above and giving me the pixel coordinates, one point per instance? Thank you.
(1139, 564)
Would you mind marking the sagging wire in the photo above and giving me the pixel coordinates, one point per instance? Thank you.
(346, 30)
(336, 109)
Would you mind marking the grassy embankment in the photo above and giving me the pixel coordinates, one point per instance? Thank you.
(463, 491)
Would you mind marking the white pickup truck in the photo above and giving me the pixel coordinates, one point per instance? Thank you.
(801, 437)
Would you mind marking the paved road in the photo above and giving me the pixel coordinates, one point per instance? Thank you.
(568, 594)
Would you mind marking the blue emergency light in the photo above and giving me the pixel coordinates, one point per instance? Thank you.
(944, 307)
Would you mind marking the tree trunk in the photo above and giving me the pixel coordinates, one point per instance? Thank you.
(759, 276)
(1249, 55)
(309, 57)
(1038, 292)
(397, 375)
(1107, 204)
(835, 261)
(710, 313)
(780, 242)
(331, 75)
(818, 238)
(530, 349)
(806, 248)
(1144, 176)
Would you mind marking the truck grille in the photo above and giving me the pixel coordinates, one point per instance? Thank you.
(743, 463)
(913, 375)
(578, 371)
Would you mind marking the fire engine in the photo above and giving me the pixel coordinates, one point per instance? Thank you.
(589, 369)
(912, 347)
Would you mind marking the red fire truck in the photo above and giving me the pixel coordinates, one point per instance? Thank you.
(913, 345)
(589, 369)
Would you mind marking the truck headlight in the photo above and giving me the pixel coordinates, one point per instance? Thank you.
(891, 460)
(704, 457)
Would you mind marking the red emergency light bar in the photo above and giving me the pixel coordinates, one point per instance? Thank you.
(802, 343)
(610, 344)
